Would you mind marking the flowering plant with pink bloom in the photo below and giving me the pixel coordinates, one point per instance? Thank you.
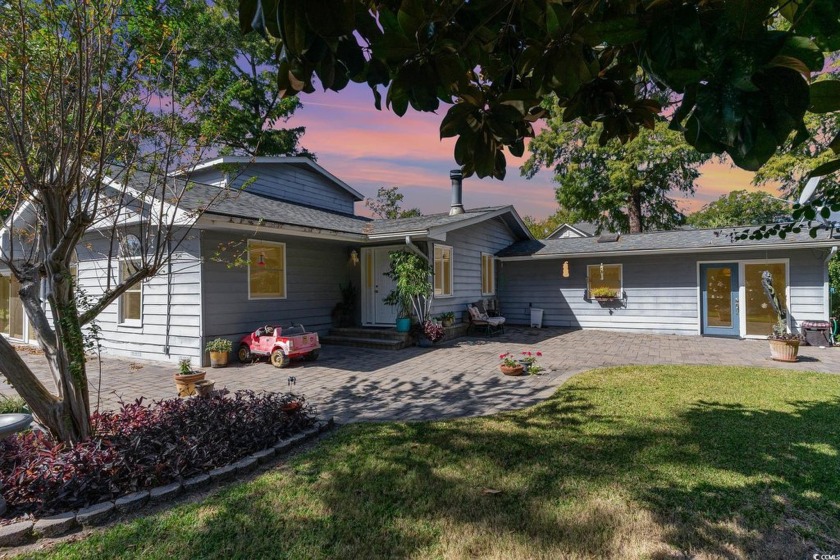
(508, 360)
(529, 360)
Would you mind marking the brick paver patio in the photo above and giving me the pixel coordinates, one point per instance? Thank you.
(460, 378)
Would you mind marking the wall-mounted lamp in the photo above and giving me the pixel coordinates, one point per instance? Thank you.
(602, 271)
(261, 262)
(565, 269)
(354, 257)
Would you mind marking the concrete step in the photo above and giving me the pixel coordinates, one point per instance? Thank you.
(362, 342)
(360, 332)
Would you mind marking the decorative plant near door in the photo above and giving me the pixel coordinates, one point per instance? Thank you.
(784, 345)
(413, 292)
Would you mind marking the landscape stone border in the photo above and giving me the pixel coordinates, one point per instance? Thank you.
(23, 532)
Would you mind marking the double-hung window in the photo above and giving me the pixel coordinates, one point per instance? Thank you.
(443, 270)
(266, 269)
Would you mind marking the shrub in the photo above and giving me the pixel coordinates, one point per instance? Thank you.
(12, 405)
(142, 446)
(219, 345)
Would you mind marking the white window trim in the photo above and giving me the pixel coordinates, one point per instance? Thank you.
(285, 260)
(492, 292)
(122, 321)
(620, 277)
(451, 271)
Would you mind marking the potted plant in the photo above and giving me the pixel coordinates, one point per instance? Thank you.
(186, 378)
(510, 365)
(529, 362)
(431, 333)
(603, 293)
(219, 349)
(784, 345)
(447, 319)
(412, 291)
(344, 311)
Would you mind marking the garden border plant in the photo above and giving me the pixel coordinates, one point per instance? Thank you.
(143, 452)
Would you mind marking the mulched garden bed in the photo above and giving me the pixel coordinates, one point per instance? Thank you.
(142, 446)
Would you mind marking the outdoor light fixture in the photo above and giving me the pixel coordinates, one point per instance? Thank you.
(602, 271)
(354, 257)
(261, 262)
(565, 269)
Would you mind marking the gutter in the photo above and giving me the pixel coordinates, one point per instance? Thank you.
(689, 250)
(232, 222)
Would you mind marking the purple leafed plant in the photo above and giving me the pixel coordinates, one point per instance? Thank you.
(142, 446)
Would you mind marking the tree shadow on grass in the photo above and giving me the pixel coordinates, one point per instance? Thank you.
(566, 478)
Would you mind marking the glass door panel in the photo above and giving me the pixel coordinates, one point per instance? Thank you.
(760, 313)
(5, 289)
(719, 299)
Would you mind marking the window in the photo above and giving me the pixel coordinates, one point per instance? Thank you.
(266, 270)
(604, 280)
(131, 301)
(11, 308)
(488, 275)
(443, 270)
(760, 313)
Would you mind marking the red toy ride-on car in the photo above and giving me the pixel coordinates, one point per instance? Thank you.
(282, 344)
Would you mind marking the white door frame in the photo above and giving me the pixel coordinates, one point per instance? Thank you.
(369, 301)
(742, 290)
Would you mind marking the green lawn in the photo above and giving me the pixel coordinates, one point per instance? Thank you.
(650, 462)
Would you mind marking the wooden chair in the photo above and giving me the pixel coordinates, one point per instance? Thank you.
(479, 319)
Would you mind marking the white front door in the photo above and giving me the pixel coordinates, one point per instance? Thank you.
(375, 263)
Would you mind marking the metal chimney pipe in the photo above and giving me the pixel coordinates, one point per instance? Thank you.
(457, 206)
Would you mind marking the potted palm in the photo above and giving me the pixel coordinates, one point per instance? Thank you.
(219, 349)
(186, 378)
(784, 345)
(447, 319)
(412, 291)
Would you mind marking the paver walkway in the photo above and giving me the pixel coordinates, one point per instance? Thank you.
(460, 378)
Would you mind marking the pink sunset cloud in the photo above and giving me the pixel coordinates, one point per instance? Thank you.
(370, 149)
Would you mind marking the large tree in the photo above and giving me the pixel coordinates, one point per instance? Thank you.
(741, 208)
(737, 73)
(621, 187)
(230, 77)
(82, 110)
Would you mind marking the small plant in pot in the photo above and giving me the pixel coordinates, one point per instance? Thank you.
(510, 365)
(219, 349)
(447, 319)
(186, 378)
(603, 293)
(784, 345)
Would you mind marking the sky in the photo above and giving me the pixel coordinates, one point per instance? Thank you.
(369, 149)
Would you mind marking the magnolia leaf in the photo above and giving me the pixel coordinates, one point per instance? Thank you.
(825, 96)
(825, 169)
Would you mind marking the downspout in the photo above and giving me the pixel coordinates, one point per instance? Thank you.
(827, 281)
(168, 295)
(415, 249)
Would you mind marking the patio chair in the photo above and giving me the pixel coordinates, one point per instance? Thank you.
(479, 319)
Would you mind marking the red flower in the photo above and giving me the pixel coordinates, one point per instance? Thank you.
(502, 356)
(539, 353)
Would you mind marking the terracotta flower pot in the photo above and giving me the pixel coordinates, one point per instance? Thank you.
(784, 350)
(218, 359)
(512, 370)
(204, 387)
(186, 383)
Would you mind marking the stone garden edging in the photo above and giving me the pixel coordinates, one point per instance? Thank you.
(23, 532)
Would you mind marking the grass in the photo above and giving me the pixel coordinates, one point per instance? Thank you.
(633, 462)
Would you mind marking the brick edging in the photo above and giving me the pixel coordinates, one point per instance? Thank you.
(23, 532)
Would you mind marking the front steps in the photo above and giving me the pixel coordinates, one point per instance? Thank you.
(359, 337)
(382, 339)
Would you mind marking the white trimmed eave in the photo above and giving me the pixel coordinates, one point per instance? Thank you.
(774, 247)
(220, 221)
(289, 160)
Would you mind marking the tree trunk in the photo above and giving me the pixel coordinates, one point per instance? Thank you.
(634, 212)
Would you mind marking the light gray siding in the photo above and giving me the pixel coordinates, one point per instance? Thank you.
(662, 292)
(314, 270)
(170, 328)
(467, 244)
(286, 182)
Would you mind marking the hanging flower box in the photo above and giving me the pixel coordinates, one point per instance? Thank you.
(604, 294)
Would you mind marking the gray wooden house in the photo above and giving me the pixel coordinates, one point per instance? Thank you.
(284, 237)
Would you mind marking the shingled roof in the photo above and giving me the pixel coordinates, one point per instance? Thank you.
(680, 241)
